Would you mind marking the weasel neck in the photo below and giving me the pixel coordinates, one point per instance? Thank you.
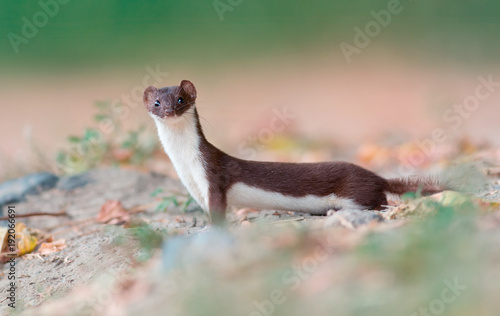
(181, 141)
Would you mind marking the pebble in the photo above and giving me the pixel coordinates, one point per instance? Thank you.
(353, 218)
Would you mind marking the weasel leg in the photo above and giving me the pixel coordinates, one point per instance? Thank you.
(217, 209)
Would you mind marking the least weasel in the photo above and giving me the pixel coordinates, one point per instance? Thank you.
(215, 179)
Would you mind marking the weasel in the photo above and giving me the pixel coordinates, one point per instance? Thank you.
(215, 179)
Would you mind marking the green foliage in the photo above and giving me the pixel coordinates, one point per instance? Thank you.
(166, 201)
(186, 204)
(106, 144)
(124, 32)
(148, 238)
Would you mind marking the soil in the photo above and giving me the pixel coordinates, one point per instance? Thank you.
(91, 247)
(52, 284)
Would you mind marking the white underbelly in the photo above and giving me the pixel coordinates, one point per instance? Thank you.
(242, 195)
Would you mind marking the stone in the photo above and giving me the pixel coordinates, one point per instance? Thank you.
(353, 218)
(73, 182)
(15, 190)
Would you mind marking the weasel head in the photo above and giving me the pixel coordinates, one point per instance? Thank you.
(171, 104)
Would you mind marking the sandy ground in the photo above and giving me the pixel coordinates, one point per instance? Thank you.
(92, 255)
(90, 250)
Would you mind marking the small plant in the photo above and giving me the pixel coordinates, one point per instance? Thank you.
(106, 145)
(147, 237)
(82, 153)
(172, 199)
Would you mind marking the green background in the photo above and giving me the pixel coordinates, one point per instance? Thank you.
(124, 33)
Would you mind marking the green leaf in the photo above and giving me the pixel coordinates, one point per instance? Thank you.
(174, 200)
(74, 139)
(156, 192)
(91, 133)
(100, 117)
(162, 206)
(187, 203)
(127, 144)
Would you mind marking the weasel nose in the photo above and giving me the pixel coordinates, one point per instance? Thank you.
(169, 112)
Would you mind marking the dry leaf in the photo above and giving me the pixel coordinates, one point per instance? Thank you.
(26, 244)
(113, 212)
(50, 247)
(26, 241)
(466, 146)
(373, 155)
(122, 155)
(245, 211)
(3, 238)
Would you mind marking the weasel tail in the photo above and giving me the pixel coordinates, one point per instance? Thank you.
(426, 186)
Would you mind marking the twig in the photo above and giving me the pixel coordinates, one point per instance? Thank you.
(35, 214)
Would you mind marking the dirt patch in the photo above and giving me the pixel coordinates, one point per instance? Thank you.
(90, 248)
(96, 275)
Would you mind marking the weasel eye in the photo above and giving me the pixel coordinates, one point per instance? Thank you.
(157, 103)
(180, 100)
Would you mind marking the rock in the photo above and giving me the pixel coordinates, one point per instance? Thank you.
(353, 218)
(73, 182)
(14, 191)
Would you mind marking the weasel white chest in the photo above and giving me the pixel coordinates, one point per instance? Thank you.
(181, 143)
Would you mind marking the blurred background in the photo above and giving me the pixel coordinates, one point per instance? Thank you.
(399, 87)
(351, 72)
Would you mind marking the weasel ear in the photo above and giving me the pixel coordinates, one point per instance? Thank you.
(149, 94)
(189, 88)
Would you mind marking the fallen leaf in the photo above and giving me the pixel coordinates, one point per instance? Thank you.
(245, 211)
(25, 242)
(112, 212)
(122, 154)
(50, 247)
(371, 154)
(466, 146)
(412, 153)
(3, 238)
